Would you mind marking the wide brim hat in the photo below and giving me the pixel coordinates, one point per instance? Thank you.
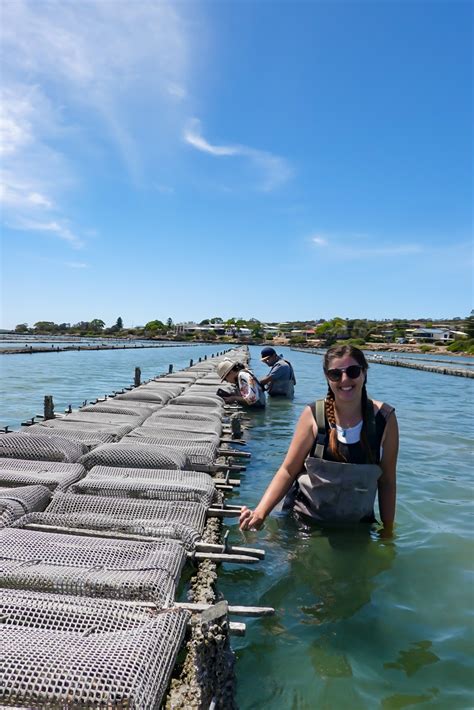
(224, 368)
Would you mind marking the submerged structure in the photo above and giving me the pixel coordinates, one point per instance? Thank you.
(107, 514)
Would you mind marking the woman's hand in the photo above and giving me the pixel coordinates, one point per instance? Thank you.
(250, 519)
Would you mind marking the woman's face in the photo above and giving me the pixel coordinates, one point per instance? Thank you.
(231, 377)
(345, 389)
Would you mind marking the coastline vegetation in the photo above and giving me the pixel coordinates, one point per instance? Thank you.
(319, 333)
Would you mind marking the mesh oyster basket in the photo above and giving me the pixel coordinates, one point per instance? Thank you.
(41, 466)
(52, 480)
(22, 445)
(179, 520)
(160, 433)
(51, 426)
(198, 400)
(62, 652)
(111, 407)
(87, 437)
(197, 453)
(99, 418)
(134, 455)
(189, 413)
(167, 485)
(15, 502)
(20, 472)
(174, 388)
(206, 426)
(140, 395)
(89, 566)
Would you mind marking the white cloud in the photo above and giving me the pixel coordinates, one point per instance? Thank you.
(275, 171)
(76, 265)
(100, 56)
(192, 135)
(55, 228)
(74, 71)
(177, 91)
(320, 241)
(355, 246)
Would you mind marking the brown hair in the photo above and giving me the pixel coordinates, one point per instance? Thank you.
(329, 405)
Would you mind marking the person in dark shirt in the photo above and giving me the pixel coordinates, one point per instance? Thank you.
(280, 381)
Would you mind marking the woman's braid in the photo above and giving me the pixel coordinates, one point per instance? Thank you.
(329, 408)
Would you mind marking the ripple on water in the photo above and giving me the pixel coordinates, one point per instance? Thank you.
(361, 622)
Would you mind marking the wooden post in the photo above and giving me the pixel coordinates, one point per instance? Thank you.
(236, 426)
(170, 369)
(48, 407)
(199, 359)
(191, 363)
(138, 376)
(205, 357)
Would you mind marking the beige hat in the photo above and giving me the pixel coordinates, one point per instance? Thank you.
(224, 368)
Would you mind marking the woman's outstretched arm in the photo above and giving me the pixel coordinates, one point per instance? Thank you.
(303, 438)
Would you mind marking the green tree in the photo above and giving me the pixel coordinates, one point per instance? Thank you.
(97, 325)
(119, 323)
(169, 322)
(82, 326)
(21, 328)
(469, 326)
(45, 326)
(257, 331)
(154, 326)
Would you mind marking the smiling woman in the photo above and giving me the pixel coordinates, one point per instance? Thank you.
(343, 451)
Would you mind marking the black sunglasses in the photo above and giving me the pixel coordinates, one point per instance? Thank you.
(353, 372)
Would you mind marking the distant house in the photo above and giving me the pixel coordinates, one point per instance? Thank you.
(433, 334)
(270, 329)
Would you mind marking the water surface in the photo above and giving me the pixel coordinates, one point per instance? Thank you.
(361, 622)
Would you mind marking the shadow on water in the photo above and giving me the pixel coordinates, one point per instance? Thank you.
(331, 572)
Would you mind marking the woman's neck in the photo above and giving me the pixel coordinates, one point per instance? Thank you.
(348, 414)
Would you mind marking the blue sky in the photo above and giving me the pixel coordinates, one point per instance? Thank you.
(276, 160)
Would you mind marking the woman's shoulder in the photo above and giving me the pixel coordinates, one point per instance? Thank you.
(382, 409)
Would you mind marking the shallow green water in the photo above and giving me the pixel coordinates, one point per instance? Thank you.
(361, 622)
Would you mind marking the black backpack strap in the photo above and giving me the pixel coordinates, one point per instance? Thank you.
(320, 417)
(371, 429)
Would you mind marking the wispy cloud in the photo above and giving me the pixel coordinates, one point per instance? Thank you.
(76, 265)
(71, 75)
(275, 171)
(320, 241)
(355, 247)
(54, 228)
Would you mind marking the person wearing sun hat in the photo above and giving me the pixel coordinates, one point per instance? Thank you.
(280, 381)
(249, 392)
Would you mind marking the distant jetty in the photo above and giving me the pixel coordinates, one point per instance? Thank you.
(30, 349)
(379, 360)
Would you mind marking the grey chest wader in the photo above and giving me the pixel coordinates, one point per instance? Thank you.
(335, 492)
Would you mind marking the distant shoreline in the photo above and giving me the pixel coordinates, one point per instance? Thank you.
(59, 345)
